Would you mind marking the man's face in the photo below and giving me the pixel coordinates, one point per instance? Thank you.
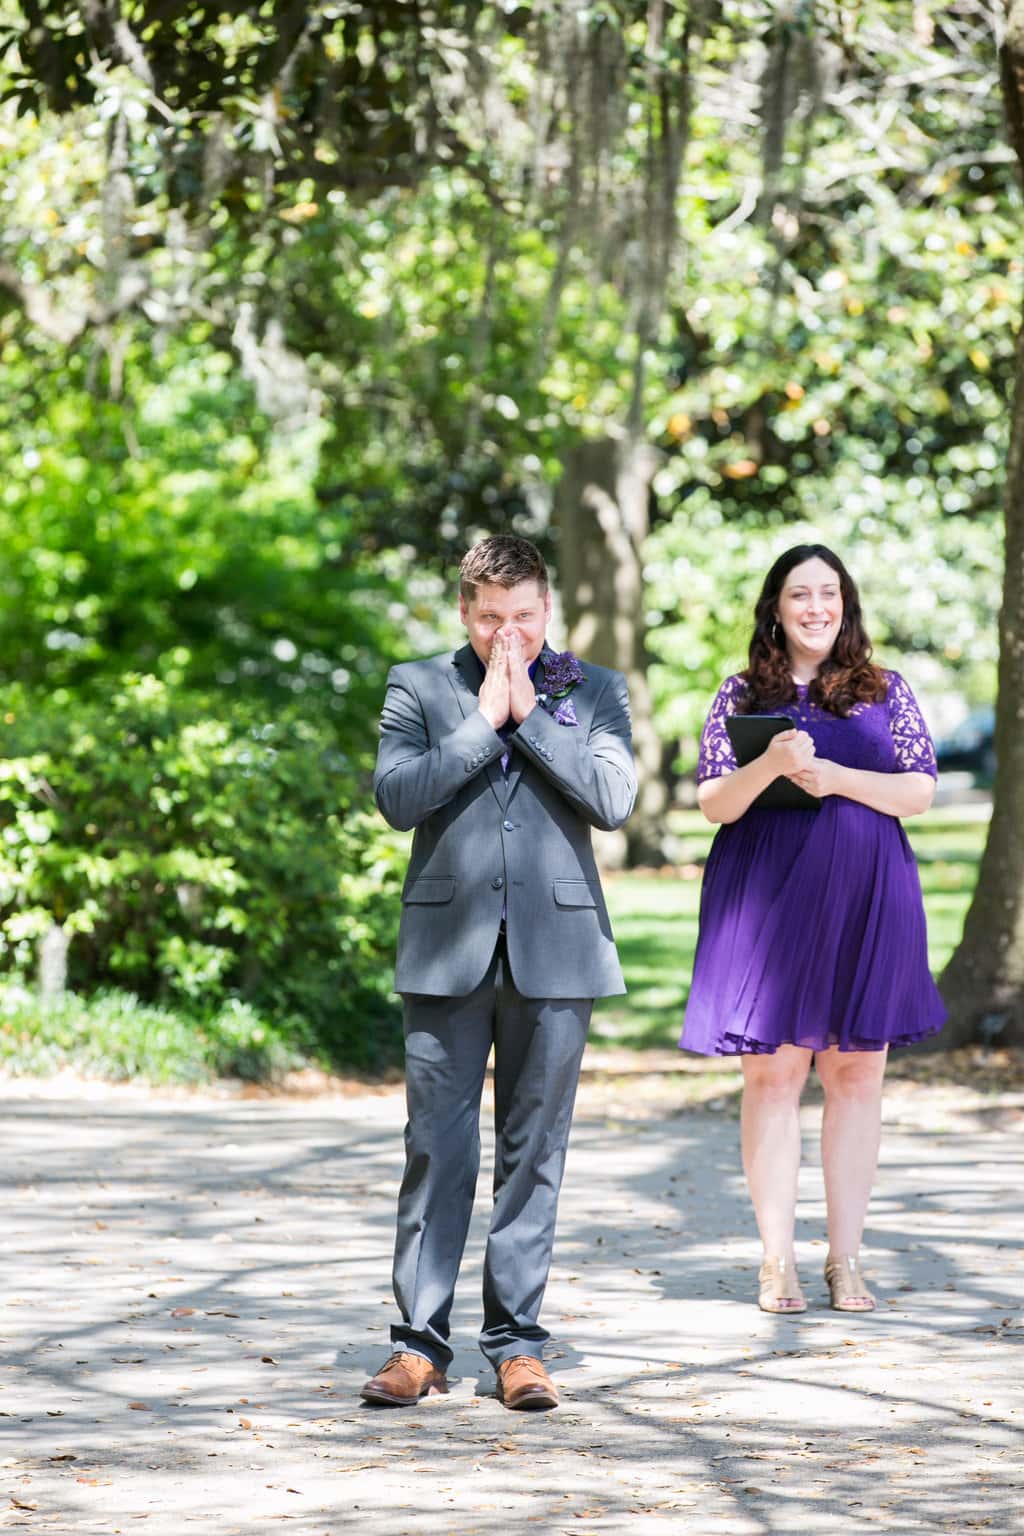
(523, 610)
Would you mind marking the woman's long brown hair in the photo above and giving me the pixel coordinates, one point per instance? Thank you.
(846, 678)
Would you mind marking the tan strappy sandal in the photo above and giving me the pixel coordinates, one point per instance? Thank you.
(780, 1288)
(847, 1290)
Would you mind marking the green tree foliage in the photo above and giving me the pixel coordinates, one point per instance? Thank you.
(295, 301)
(202, 833)
(345, 92)
(173, 532)
(845, 352)
(834, 316)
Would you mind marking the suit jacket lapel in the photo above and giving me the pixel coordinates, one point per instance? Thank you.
(466, 680)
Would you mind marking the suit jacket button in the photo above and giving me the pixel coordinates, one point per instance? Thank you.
(509, 826)
(497, 883)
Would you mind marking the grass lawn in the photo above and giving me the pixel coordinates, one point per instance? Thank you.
(655, 919)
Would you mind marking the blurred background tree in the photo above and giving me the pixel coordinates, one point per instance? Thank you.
(295, 303)
(984, 981)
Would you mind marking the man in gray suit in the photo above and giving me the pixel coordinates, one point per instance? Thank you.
(502, 757)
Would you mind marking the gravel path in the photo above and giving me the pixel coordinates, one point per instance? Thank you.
(194, 1288)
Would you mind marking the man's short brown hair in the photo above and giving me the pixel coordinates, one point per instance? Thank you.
(501, 561)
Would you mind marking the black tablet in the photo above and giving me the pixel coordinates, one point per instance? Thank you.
(750, 735)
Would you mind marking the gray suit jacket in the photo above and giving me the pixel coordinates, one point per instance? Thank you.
(485, 845)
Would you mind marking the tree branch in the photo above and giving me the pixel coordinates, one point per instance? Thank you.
(61, 322)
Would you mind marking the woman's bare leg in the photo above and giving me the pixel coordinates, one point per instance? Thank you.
(770, 1131)
(850, 1135)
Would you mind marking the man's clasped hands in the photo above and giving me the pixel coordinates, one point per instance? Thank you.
(507, 688)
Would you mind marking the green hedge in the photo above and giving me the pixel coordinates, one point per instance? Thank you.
(199, 853)
(112, 1035)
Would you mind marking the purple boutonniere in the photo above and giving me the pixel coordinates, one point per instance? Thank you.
(562, 673)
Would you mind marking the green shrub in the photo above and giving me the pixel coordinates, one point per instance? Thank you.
(198, 853)
(115, 1036)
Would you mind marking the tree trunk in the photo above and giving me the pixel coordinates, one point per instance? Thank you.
(53, 963)
(601, 509)
(601, 505)
(984, 982)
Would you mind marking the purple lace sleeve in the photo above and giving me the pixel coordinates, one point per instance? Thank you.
(716, 755)
(914, 750)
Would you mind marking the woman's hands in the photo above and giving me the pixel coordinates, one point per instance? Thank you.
(790, 752)
(792, 755)
(788, 755)
(820, 778)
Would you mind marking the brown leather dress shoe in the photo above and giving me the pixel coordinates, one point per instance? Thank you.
(524, 1383)
(403, 1379)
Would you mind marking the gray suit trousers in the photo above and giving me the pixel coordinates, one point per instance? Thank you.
(538, 1045)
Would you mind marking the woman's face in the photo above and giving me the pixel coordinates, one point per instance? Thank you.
(810, 610)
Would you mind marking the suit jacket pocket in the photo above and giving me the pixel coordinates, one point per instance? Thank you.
(430, 888)
(574, 893)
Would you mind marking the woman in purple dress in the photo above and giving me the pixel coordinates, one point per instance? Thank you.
(812, 930)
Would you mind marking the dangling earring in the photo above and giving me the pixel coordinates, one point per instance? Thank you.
(775, 635)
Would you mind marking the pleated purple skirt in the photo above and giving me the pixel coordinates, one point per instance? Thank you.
(812, 933)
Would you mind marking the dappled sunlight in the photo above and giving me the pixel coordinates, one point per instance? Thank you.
(197, 1289)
